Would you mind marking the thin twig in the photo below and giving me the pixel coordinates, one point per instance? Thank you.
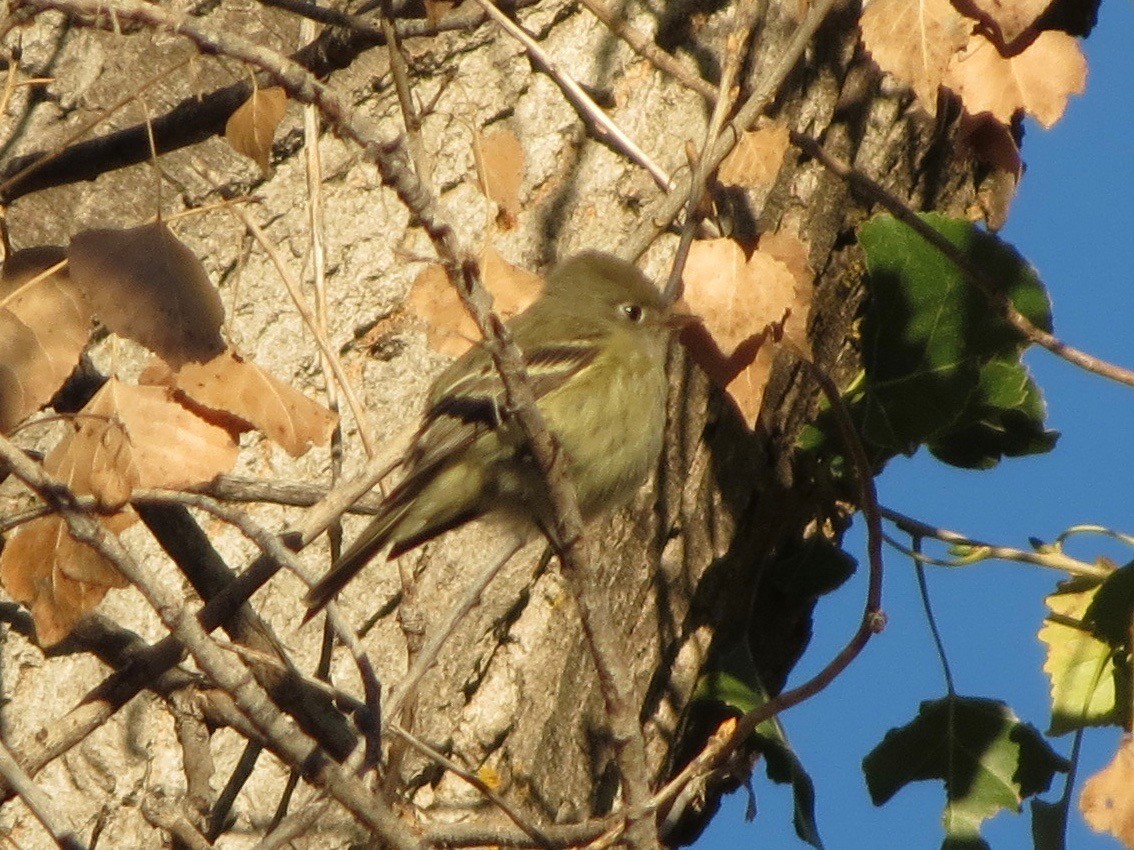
(399, 72)
(934, 631)
(603, 127)
(330, 357)
(993, 291)
(271, 546)
(1052, 559)
(36, 799)
(658, 220)
(296, 748)
(293, 826)
(517, 817)
(645, 47)
(734, 45)
(441, 634)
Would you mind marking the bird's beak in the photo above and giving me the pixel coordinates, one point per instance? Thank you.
(680, 317)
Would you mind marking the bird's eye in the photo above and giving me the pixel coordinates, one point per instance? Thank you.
(633, 312)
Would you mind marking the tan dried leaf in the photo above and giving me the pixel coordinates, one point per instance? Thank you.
(230, 384)
(146, 285)
(757, 157)
(787, 247)
(1038, 80)
(43, 566)
(914, 41)
(170, 445)
(500, 167)
(1011, 17)
(449, 328)
(125, 437)
(36, 568)
(1107, 801)
(96, 459)
(44, 327)
(251, 128)
(744, 302)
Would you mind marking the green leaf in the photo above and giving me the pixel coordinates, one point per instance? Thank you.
(1003, 418)
(988, 759)
(1085, 682)
(1109, 613)
(942, 363)
(736, 683)
(784, 767)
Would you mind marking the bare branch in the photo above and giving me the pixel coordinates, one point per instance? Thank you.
(37, 800)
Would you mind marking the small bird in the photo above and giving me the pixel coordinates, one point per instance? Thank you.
(594, 346)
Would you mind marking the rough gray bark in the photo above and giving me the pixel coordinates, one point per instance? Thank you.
(513, 695)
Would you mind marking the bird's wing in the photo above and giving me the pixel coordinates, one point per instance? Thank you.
(472, 402)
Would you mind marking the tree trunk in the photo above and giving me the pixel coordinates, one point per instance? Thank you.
(700, 563)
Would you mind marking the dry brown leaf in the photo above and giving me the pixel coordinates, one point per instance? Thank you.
(500, 166)
(96, 460)
(169, 445)
(230, 384)
(144, 284)
(43, 566)
(793, 252)
(991, 142)
(1011, 17)
(36, 568)
(914, 40)
(743, 302)
(1107, 801)
(1038, 80)
(449, 328)
(125, 437)
(44, 328)
(757, 157)
(251, 128)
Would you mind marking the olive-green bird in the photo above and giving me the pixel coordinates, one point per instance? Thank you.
(594, 345)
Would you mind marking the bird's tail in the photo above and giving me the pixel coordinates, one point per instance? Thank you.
(368, 544)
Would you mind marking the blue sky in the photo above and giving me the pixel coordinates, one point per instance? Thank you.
(1074, 220)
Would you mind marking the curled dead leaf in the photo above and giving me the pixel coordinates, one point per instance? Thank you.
(745, 303)
(146, 285)
(757, 157)
(499, 161)
(44, 327)
(449, 328)
(251, 128)
(56, 576)
(990, 142)
(229, 384)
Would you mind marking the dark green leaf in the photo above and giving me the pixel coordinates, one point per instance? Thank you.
(988, 759)
(1108, 616)
(942, 362)
(736, 683)
(785, 768)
